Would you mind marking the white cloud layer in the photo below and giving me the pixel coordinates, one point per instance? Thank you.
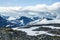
(40, 10)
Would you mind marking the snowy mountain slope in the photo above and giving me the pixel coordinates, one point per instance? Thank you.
(39, 30)
(45, 21)
(21, 21)
(30, 31)
(15, 22)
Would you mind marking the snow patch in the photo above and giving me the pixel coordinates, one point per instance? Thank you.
(30, 31)
(45, 21)
(11, 18)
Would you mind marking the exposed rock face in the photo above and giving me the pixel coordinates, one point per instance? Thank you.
(9, 34)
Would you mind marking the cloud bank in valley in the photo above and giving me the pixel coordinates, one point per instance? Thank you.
(40, 10)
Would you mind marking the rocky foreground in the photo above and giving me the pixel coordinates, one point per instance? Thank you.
(7, 33)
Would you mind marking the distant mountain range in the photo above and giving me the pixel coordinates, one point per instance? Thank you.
(8, 21)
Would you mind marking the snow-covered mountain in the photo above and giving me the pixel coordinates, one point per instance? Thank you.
(14, 21)
(40, 30)
(45, 21)
(23, 20)
(51, 30)
(48, 17)
(20, 22)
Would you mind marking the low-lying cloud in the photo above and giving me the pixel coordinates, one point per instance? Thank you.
(40, 10)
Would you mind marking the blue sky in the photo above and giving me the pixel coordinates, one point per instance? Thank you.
(25, 2)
